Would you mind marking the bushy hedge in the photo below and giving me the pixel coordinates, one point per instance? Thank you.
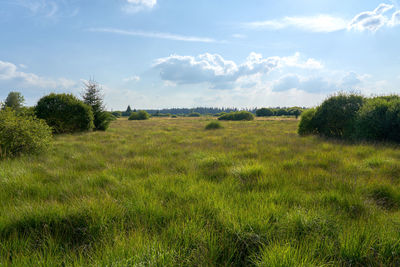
(337, 115)
(264, 112)
(194, 114)
(65, 113)
(237, 116)
(351, 116)
(138, 116)
(379, 119)
(307, 122)
(22, 134)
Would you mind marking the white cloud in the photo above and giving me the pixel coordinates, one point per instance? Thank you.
(134, 78)
(133, 6)
(219, 73)
(319, 83)
(395, 19)
(48, 8)
(158, 35)
(371, 20)
(10, 72)
(364, 21)
(320, 23)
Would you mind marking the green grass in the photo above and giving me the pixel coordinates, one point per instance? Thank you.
(165, 192)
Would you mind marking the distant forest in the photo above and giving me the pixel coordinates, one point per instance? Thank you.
(201, 110)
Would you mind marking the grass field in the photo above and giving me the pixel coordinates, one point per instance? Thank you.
(166, 192)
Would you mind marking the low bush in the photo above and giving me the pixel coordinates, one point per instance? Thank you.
(307, 122)
(161, 115)
(354, 117)
(379, 119)
(214, 125)
(65, 113)
(21, 134)
(117, 114)
(237, 116)
(219, 114)
(194, 114)
(139, 116)
(337, 115)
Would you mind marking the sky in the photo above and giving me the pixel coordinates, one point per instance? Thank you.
(187, 53)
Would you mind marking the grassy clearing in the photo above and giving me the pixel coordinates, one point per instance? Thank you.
(165, 192)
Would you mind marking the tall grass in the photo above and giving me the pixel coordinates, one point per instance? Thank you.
(165, 192)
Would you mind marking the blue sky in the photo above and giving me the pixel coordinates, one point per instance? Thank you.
(175, 53)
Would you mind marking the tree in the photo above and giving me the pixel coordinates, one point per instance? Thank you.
(14, 100)
(128, 112)
(92, 97)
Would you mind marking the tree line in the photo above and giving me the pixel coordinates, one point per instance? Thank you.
(214, 111)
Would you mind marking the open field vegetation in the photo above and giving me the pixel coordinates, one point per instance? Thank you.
(167, 192)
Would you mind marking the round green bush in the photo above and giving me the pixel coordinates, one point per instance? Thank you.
(139, 116)
(307, 122)
(337, 115)
(194, 114)
(64, 113)
(379, 119)
(237, 116)
(214, 125)
(20, 134)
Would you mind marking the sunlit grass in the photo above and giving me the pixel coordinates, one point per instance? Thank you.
(165, 192)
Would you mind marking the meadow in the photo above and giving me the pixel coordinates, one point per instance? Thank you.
(167, 192)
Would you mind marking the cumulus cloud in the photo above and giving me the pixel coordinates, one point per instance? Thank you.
(308, 84)
(318, 83)
(133, 6)
(364, 21)
(371, 20)
(221, 73)
(10, 72)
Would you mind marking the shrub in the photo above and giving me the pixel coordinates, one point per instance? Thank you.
(379, 119)
(139, 115)
(237, 116)
(22, 134)
(281, 112)
(65, 113)
(174, 116)
(336, 117)
(162, 115)
(116, 114)
(103, 120)
(264, 112)
(307, 122)
(219, 114)
(194, 114)
(213, 125)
